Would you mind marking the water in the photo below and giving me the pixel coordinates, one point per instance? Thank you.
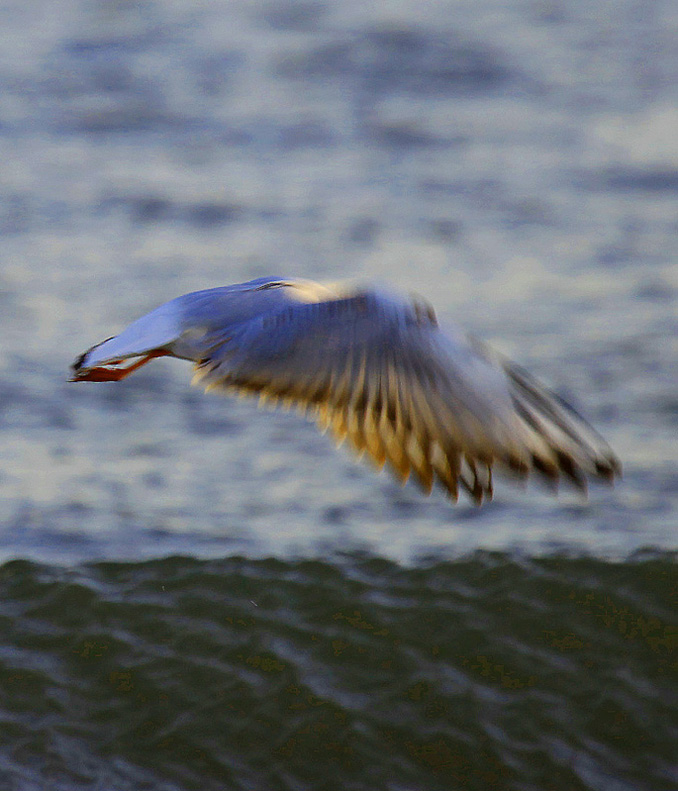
(489, 672)
(514, 163)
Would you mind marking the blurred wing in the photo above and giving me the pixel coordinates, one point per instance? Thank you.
(380, 373)
(184, 326)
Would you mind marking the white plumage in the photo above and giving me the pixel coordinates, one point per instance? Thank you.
(376, 370)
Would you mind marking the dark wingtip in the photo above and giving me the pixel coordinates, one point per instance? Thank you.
(608, 470)
(572, 472)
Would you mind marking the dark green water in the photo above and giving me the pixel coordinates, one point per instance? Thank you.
(486, 672)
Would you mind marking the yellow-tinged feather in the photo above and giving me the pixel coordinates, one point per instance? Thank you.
(373, 441)
(420, 463)
(339, 427)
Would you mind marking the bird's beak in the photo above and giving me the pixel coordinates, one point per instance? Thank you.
(112, 371)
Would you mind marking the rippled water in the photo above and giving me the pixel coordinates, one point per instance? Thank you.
(516, 164)
(487, 672)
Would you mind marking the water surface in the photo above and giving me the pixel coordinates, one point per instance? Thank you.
(196, 594)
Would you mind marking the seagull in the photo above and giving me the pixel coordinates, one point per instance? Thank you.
(377, 370)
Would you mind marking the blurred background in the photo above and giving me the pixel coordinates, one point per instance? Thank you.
(197, 594)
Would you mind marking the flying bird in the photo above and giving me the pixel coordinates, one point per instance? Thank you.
(377, 370)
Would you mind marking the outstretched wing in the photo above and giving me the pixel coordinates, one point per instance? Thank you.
(379, 372)
(185, 326)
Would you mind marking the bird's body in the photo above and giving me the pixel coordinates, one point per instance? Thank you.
(374, 368)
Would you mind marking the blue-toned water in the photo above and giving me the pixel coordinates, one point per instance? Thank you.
(197, 594)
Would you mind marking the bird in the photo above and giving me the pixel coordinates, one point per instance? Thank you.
(376, 369)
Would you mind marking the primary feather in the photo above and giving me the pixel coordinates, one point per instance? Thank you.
(377, 371)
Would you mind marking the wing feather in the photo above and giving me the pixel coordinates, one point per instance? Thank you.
(381, 373)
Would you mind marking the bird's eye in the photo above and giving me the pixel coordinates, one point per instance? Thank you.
(276, 284)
